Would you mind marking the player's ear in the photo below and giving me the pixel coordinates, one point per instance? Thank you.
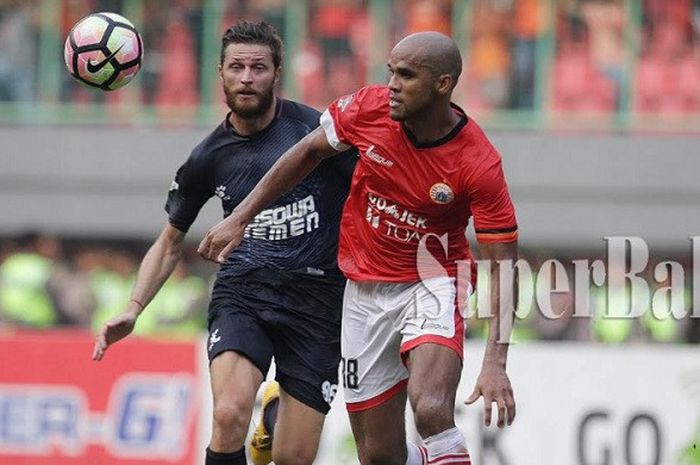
(443, 84)
(278, 74)
(219, 70)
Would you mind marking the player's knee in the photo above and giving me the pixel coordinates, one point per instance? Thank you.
(377, 453)
(433, 414)
(299, 454)
(381, 458)
(231, 418)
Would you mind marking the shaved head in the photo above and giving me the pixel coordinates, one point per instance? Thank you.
(433, 50)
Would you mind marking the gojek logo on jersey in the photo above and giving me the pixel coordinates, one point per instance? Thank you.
(291, 220)
(394, 220)
(148, 417)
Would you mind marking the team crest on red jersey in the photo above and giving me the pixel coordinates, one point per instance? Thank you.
(441, 193)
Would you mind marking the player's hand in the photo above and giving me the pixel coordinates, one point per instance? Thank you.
(222, 239)
(493, 384)
(114, 330)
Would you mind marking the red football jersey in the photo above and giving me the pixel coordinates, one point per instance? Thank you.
(402, 190)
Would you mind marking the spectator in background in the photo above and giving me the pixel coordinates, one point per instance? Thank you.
(527, 26)
(605, 21)
(177, 80)
(676, 12)
(428, 15)
(668, 74)
(18, 50)
(273, 12)
(70, 289)
(179, 308)
(570, 27)
(307, 66)
(155, 16)
(175, 77)
(490, 56)
(111, 283)
(24, 275)
(194, 18)
(332, 23)
(72, 11)
(173, 34)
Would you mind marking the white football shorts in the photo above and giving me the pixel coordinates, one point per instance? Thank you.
(382, 322)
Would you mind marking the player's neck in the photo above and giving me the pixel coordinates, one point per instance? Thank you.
(432, 125)
(246, 126)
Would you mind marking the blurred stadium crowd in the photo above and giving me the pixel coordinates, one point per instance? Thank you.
(46, 282)
(612, 58)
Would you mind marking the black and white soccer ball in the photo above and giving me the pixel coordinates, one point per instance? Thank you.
(103, 50)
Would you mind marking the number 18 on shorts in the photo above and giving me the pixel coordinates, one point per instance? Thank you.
(383, 321)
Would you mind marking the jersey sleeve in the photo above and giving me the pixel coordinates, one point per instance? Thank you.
(189, 191)
(340, 120)
(491, 205)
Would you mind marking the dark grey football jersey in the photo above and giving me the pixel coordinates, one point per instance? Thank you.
(298, 231)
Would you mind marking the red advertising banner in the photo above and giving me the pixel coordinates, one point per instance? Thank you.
(138, 406)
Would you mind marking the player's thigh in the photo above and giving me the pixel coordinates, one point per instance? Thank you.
(432, 347)
(435, 371)
(433, 368)
(380, 432)
(240, 353)
(297, 431)
(372, 367)
(234, 384)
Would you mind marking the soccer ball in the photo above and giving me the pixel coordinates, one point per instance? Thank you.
(103, 50)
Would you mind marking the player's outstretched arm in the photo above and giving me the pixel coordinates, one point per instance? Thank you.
(287, 172)
(493, 382)
(156, 266)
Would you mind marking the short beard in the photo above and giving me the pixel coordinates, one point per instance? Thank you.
(266, 98)
(397, 117)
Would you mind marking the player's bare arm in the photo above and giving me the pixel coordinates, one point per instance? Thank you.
(493, 382)
(288, 171)
(156, 266)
